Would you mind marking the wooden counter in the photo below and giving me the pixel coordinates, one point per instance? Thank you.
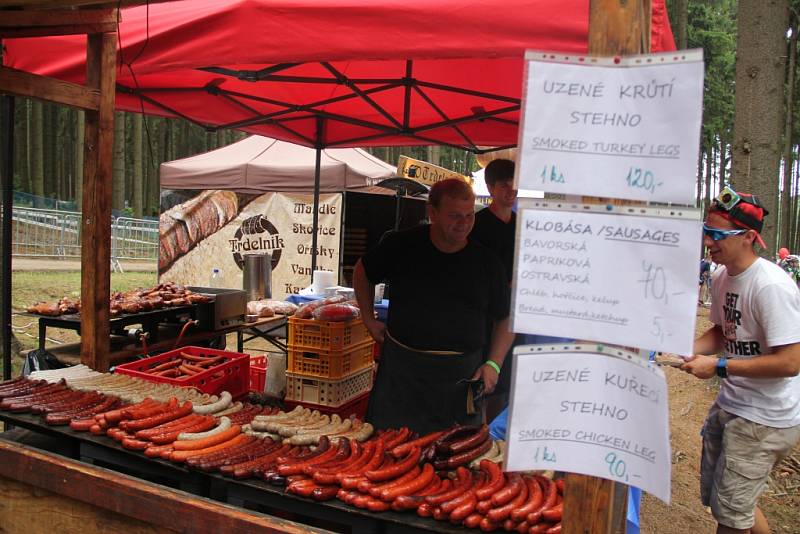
(41, 492)
(251, 493)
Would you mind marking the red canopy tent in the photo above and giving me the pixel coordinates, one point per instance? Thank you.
(333, 72)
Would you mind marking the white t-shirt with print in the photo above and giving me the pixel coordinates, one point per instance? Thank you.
(758, 309)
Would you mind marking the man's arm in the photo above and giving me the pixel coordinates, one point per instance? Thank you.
(502, 339)
(783, 362)
(365, 295)
(711, 342)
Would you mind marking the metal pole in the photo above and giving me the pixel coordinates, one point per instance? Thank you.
(7, 177)
(317, 170)
(398, 199)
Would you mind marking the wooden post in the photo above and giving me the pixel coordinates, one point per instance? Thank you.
(101, 57)
(594, 505)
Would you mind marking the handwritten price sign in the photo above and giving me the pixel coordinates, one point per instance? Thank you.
(608, 276)
(624, 129)
(591, 410)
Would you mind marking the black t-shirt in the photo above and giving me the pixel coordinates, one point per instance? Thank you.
(496, 235)
(439, 301)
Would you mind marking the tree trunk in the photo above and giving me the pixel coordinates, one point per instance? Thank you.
(37, 148)
(138, 161)
(21, 171)
(760, 71)
(80, 126)
(787, 136)
(723, 161)
(793, 240)
(59, 151)
(435, 154)
(28, 180)
(681, 23)
(48, 148)
(699, 195)
(709, 173)
(118, 180)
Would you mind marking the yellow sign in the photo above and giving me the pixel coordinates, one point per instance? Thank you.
(426, 173)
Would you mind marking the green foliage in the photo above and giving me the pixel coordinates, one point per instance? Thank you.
(712, 27)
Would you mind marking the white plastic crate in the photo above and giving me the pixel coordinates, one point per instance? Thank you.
(328, 392)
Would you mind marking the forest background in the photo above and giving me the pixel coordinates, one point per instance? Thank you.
(751, 143)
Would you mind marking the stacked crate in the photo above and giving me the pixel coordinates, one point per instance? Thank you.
(330, 365)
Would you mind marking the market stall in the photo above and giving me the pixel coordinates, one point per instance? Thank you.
(486, 113)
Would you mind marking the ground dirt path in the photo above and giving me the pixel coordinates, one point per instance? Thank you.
(689, 400)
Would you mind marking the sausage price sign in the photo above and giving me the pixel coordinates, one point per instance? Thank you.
(592, 410)
(611, 274)
(623, 128)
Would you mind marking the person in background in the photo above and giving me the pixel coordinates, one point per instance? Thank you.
(705, 274)
(790, 264)
(495, 228)
(446, 290)
(755, 419)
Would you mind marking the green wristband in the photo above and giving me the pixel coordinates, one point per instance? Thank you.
(493, 365)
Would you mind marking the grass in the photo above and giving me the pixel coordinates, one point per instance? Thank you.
(29, 287)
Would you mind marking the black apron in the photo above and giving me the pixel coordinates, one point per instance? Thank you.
(420, 389)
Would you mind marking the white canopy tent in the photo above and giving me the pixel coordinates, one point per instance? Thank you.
(260, 164)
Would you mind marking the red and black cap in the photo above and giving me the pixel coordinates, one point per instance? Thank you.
(747, 213)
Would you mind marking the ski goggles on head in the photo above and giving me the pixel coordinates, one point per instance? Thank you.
(717, 234)
(727, 199)
(742, 209)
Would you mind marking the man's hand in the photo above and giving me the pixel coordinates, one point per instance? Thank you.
(701, 366)
(376, 328)
(489, 377)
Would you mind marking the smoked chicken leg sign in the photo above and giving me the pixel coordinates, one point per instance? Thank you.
(612, 127)
(594, 410)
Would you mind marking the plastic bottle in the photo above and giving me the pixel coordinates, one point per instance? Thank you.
(216, 278)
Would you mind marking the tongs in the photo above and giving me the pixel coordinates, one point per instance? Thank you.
(476, 393)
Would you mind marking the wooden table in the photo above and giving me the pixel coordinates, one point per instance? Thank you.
(124, 349)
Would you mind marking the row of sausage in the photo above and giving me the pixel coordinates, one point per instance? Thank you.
(390, 470)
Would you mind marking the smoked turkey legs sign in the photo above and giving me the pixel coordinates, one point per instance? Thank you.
(612, 127)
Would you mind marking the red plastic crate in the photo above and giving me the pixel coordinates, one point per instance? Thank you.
(232, 376)
(258, 373)
(356, 407)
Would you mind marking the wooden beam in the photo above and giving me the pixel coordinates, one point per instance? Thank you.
(617, 27)
(594, 505)
(44, 31)
(68, 4)
(101, 53)
(38, 23)
(115, 495)
(44, 18)
(21, 83)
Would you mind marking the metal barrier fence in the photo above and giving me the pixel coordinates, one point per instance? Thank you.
(134, 239)
(46, 233)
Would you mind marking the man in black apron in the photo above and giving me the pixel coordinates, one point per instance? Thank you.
(445, 290)
(495, 228)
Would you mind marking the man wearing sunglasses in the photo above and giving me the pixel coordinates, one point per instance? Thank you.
(755, 421)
